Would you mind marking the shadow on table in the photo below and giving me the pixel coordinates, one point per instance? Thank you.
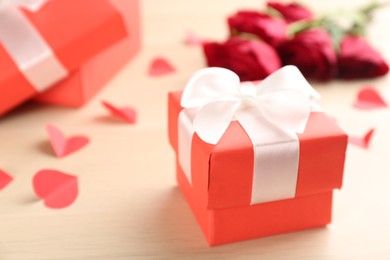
(45, 148)
(109, 119)
(30, 108)
(177, 234)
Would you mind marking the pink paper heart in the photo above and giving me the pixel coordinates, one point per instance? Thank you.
(5, 179)
(369, 98)
(364, 141)
(127, 114)
(192, 39)
(63, 146)
(160, 66)
(57, 189)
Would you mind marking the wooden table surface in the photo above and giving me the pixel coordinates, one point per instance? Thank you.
(129, 206)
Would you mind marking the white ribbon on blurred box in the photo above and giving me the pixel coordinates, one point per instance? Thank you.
(33, 56)
(271, 112)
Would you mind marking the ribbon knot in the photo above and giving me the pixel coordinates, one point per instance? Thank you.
(274, 108)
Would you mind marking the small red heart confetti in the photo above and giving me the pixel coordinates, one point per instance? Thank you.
(63, 146)
(127, 114)
(57, 189)
(364, 141)
(160, 66)
(369, 98)
(5, 179)
(192, 39)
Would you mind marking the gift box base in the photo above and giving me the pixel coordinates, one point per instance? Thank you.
(229, 225)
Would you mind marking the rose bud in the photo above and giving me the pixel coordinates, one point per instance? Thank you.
(291, 12)
(272, 30)
(357, 59)
(312, 52)
(249, 59)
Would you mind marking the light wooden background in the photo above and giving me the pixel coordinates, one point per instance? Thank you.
(129, 206)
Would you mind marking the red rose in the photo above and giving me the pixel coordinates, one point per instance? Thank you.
(357, 59)
(271, 30)
(312, 52)
(291, 12)
(251, 60)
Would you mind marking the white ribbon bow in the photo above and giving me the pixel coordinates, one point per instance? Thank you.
(280, 103)
(271, 113)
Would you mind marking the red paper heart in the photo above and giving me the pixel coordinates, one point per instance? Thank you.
(160, 66)
(364, 141)
(5, 179)
(369, 98)
(57, 189)
(192, 39)
(63, 146)
(127, 114)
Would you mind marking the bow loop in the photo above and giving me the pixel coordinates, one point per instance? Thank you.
(215, 125)
(289, 109)
(209, 84)
(288, 77)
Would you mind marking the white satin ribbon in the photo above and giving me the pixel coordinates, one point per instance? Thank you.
(271, 113)
(33, 56)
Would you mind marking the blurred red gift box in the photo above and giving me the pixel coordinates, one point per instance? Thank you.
(64, 51)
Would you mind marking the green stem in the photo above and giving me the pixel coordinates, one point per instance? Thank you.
(300, 26)
(357, 18)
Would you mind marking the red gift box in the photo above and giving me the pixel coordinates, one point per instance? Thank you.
(75, 31)
(91, 76)
(220, 188)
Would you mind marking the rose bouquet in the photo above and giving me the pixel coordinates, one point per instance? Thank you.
(323, 47)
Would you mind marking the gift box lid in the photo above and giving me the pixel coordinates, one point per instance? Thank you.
(92, 75)
(222, 174)
(74, 30)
